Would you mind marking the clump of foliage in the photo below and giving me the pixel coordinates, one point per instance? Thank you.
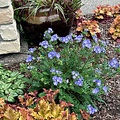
(89, 26)
(31, 107)
(63, 7)
(12, 84)
(103, 11)
(106, 11)
(75, 65)
(115, 28)
(116, 10)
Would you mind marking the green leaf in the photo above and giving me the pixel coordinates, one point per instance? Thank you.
(10, 99)
(41, 94)
(19, 91)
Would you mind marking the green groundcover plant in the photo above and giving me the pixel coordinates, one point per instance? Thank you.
(75, 64)
(12, 84)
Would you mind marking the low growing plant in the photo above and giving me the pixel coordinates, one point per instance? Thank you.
(106, 11)
(75, 65)
(31, 107)
(90, 27)
(115, 28)
(12, 84)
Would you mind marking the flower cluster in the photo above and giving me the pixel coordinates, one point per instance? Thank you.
(86, 43)
(44, 44)
(114, 63)
(29, 58)
(56, 80)
(54, 71)
(53, 54)
(98, 49)
(78, 79)
(91, 109)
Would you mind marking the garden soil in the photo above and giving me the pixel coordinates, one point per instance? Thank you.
(110, 110)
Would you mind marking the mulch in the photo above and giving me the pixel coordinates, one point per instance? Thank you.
(110, 110)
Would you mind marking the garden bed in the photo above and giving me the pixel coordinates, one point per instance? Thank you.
(110, 110)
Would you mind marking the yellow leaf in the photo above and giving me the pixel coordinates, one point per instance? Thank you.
(30, 101)
(11, 114)
(109, 13)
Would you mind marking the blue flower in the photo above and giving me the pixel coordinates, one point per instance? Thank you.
(98, 71)
(97, 49)
(103, 49)
(44, 44)
(58, 72)
(56, 80)
(53, 54)
(50, 30)
(64, 39)
(29, 58)
(78, 38)
(30, 67)
(98, 82)
(54, 37)
(75, 74)
(95, 38)
(91, 109)
(105, 89)
(113, 63)
(31, 50)
(95, 91)
(55, 71)
(86, 43)
(52, 70)
(69, 37)
(79, 82)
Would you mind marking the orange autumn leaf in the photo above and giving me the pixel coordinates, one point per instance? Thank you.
(111, 30)
(85, 115)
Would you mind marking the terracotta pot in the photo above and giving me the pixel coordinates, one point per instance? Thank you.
(35, 25)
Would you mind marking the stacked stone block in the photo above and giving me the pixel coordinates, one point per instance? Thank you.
(9, 36)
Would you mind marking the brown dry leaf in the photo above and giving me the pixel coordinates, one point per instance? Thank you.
(85, 115)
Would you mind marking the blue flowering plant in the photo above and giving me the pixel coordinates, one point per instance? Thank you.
(75, 65)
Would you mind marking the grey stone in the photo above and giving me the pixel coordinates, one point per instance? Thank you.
(4, 3)
(10, 59)
(9, 32)
(10, 47)
(6, 15)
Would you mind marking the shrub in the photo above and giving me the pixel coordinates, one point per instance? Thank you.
(73, 64)
(12, 84)
(90, 27)
(106, 11)
(115, 28)
(33, 108)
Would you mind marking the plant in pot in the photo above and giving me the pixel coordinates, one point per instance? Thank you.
(36, 16)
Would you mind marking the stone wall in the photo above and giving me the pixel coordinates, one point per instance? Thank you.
(9, 37)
